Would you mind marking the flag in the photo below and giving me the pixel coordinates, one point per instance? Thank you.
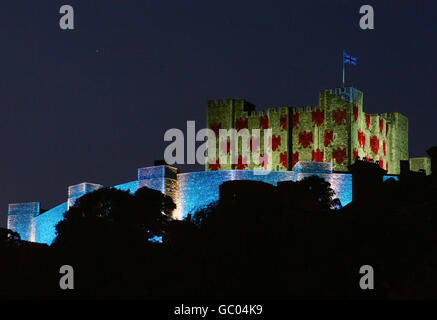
(347, 58)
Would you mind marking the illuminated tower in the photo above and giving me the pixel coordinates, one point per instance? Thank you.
(337, 131)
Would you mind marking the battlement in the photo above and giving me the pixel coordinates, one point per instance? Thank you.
(21, 218)
(349, 94)
(220, 103)
(269, 111)
(30, 208)
(394, 117)
(78, 190)
(163, 171)
(272, 110)
(304, 109)
(237, 104)
(163, 178)
(337, 130)
(255, 114)
(421, 164)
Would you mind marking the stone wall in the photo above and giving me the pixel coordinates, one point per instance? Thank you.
(47, 221)
(78, 190)
(162, 178)
(198, 189)
(337, 131)
(21, 219)
(422, 163)
(190, 191)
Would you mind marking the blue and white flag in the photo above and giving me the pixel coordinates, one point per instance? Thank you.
(347, 58)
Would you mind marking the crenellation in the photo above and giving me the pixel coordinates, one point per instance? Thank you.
(78, 190)
(284, 109)
(272, 110)
(421, 163)
(336, 130)
(22, 219)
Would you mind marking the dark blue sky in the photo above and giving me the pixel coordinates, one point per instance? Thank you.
(93, 104)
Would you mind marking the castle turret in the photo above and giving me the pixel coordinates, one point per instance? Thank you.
(162, 178)
(21, 219)
(78, 190)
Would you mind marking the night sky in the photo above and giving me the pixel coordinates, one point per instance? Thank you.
(92, 104)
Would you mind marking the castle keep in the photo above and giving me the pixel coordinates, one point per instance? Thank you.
(337, 131)
(323, 140)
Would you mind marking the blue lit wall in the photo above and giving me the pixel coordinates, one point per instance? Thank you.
(46, 223)
(21, 219)
(385, 178)
(152, 177)
(78, 190)
(132, 186)
(196, 190)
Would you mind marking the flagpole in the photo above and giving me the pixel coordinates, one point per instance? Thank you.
(343, 68)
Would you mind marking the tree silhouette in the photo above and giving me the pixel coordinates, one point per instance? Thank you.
(8, 238)
(319, 190)
(152, 211)
(111, 215)
(257, 241)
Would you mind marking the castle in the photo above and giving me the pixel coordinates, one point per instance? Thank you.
(323, 140)
(337, 131)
